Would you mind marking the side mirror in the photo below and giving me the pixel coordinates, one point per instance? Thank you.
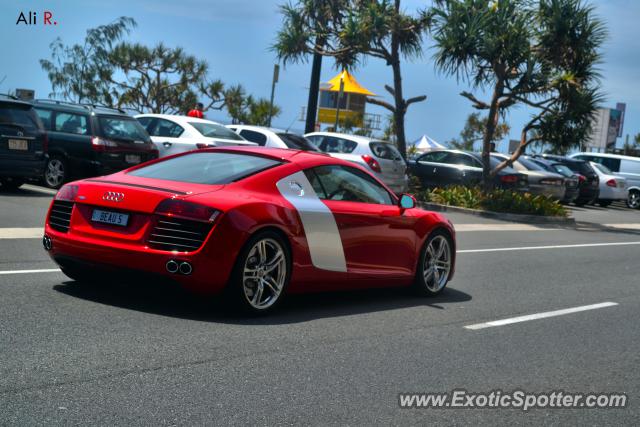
(407, 201)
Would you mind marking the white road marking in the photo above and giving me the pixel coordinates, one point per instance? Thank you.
(502, 227)
(22, 233)
(530, 248)
(39, 189)
(624, 226)
(536, 316)
(44, 270)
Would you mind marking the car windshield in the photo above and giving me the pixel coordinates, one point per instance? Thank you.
(602, 168)
(297, 142)
(384, 150)
(212, 130)
(206, 168)
(123, 128)
(17, 114)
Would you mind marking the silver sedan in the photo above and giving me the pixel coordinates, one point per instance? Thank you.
(612, 187)
(541, 181)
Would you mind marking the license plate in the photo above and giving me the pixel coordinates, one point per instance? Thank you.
(132, 158)
(18, 144)
(114, 218)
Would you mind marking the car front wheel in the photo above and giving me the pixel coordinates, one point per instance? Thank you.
(261, 274)
(435, 264)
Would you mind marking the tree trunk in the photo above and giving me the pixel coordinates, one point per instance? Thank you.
(314, 87)
(489, 131)
(400, 107)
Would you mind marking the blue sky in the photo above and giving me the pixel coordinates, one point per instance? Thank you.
(234, 36)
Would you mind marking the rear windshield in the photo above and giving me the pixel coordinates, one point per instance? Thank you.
(384, 150)
(532, 166)
(580, 167)
(297, 142)
(123, 128)
(562, 169)
(18, 114)
(206, 168)
(212, 130)
(602, 168)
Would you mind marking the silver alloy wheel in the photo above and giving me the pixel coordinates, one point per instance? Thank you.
(54, 173)
(264, 273)
(633, 201)
(437, 263)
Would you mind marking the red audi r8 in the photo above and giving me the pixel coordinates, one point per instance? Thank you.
(253, 223)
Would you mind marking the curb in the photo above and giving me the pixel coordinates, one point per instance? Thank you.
(532, 219)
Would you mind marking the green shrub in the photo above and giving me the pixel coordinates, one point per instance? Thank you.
(507, 201)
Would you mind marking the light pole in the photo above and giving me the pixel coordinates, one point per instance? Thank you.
(276, 73)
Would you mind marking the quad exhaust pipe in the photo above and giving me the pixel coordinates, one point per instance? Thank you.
(182, 267)
(47, 243)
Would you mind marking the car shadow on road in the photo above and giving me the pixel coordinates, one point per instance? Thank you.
(24, 192)
(166, 300)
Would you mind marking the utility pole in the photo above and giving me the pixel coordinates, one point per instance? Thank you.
(276, 73)
(340, 94)
(314, 87)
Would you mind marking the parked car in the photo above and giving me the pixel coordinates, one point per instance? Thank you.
(380, 158)
(571, 181)
(624, 166)
(612, 187)
(273, 138)
(280, 221)
(541, 181)
(88, 140)
(23, 143)
(441, 168)
(588, 178)
(176, 134)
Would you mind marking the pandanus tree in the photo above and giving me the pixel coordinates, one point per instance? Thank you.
(354, 31)
(542, 54)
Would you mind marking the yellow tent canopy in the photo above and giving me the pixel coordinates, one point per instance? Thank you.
(350, 84)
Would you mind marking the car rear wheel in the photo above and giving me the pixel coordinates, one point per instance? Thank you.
(55, 172)
(633, 200)
(434, 268)
(10, 184)
(261, 274)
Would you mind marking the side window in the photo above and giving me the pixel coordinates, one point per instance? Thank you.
(168, 129)
(462, 159)
(435, 157)
(337, 145)
(315, 139)
(45, 117)
(613, 164)
(147, 123)
(253, 136)
(71, 123)
(315, 183)
(343, 183)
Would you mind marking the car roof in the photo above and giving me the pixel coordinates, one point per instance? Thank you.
(259, 128)
(78, 108)
(355, 138)
(10, 99)
(177, 118)
(608, 155)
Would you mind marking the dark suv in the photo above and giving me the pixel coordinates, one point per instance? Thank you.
(441, 168)
(23, 143)
(589, 183)
(87, 140)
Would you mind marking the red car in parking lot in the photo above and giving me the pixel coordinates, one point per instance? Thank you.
(253, 223)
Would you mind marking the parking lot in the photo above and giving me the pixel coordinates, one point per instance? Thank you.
(122, 353)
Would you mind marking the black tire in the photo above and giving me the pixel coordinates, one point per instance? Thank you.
(10, 184)
(422, 285)
(237, 292)
(633, 201)
(56, 172)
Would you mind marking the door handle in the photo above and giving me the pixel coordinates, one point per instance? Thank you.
(167, 144)
(435, 170)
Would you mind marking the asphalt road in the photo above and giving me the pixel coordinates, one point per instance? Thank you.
(86, 354)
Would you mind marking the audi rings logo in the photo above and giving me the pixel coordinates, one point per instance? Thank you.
(112, 196)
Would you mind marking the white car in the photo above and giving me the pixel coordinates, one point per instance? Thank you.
(381, 158)
(177, 134)
(612, 187)
(273, 138)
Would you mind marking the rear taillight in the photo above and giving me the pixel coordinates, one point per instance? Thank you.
(582, 178)
(509, 179)
(372, 163)
(68, 193)
(101, 144)
(612, 183)
(187, 210)
(201, 145)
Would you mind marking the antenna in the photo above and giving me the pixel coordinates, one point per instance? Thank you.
(292, 122)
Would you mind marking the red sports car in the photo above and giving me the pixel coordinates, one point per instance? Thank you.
(253, 223)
